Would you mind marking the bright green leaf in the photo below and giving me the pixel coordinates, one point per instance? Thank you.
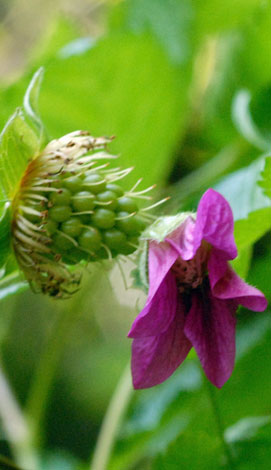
(242, 191)
(18, 144)
(248, 231)
(241, 264)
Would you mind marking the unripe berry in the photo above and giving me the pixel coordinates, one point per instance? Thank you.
(69, 210)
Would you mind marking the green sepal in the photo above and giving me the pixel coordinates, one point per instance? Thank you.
(140, 273)
(165, 225)
(5, 221)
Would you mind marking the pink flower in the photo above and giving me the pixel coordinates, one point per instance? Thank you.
(193, 297)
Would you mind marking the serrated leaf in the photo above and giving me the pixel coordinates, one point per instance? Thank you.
(265, 183)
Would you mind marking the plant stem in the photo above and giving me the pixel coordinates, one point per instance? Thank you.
(207, 174)
(111, 422)
(16, 427)
(219, 423)
(45, 372)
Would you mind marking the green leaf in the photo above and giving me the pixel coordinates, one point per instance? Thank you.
(131, 102)
(241, 264)
(265, 183)
(248, 231)
(169, 22)
(250, 438)
(5, 221)
(18, 144)
(191, 451)
(251, 208)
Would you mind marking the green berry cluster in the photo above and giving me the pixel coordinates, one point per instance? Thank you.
(88, 218)
(70, 209)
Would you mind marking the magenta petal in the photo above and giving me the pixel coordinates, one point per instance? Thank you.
(182, 239)
(159, 312)
(161, 257)
(154, 359)
(210, 326)
(214, 223)
(232, 286)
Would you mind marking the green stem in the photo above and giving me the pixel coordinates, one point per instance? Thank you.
(219, 423)
(16, 427)
(207, 174)
(45, 372)
(111, 422)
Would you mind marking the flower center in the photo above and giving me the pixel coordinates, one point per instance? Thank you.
(191, 273)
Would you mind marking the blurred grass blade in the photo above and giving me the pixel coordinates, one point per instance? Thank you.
(30, 102)
(12, 284)
(6, 464)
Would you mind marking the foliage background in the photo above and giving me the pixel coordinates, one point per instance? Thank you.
(186, 88)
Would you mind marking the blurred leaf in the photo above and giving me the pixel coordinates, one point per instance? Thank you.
(158, 416)
(191, 451)
(244, 121)
(76, 47)
(153, 404)
(169, 21)
(241, 264)
(5, 221)
(6, 464)
(265, 182)
(12, 284)
(248, 231)
(251, 209)
(260, 108)
(60, 461)
(249, 428)
(242, 191)
(213, 15)
(250, 438)
(132, 102)
(251, 333)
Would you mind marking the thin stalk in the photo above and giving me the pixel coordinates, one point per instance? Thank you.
(112, 421)
(16, 427)
(207, 174)
(219, 424)
(45, 372)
